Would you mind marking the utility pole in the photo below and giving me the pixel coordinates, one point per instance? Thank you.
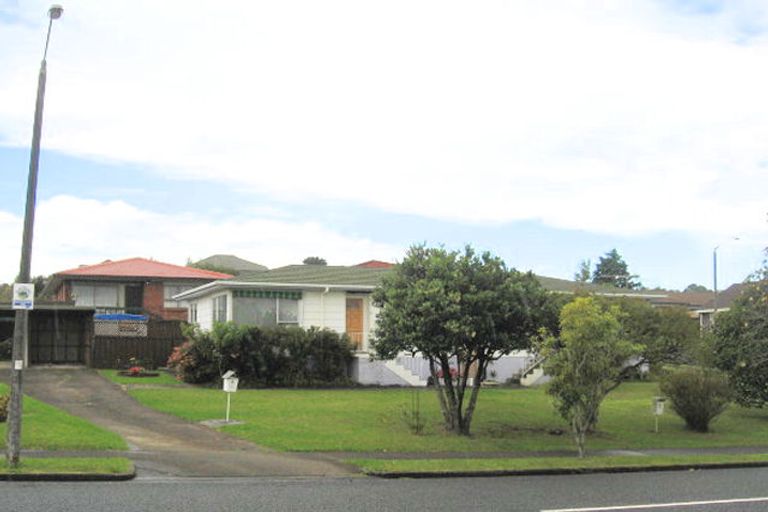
(20, 328)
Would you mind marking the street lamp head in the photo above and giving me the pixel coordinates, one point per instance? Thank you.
(55, 11)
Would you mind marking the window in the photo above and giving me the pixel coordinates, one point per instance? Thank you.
(95, 295)
(265, 311)
(220, 308)
(287, 311)
(169, 290)
(193, 313)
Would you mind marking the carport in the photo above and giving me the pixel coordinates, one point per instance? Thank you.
(58, 333)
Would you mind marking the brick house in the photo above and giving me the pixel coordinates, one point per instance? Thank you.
(135, 285)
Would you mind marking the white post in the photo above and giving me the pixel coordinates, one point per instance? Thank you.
(229, 397)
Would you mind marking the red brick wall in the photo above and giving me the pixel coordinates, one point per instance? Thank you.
(154, 300)
(154, 303)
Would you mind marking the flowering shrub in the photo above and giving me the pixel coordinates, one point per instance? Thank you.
(135, 371)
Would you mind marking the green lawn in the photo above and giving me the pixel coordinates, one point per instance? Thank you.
(69, 466)
(45, 427)
(164, 379)
(506, 419)
(374, 466)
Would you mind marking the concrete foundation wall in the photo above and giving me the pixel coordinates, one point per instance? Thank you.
(373, 373)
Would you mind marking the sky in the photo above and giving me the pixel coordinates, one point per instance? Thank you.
(544, 132)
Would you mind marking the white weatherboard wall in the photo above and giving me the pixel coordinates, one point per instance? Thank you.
(205, 312)
(324, 310)
(205, 309)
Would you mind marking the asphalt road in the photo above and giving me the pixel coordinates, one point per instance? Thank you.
(371, 494)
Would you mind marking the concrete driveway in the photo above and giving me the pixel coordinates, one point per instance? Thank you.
(163, 445)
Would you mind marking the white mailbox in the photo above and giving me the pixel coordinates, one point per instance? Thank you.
(230, 382)
(658, 405)
(230, 386)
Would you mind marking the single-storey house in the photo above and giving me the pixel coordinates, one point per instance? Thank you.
(333, 297)
(339, 298)
(136, 285)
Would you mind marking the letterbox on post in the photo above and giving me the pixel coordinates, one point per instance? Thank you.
(230, 386)
(658, 410)
(230, 382)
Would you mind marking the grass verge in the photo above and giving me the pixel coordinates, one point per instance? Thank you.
(164, 379)
(45, 427)
(70, 466)
(448, 466)
(505, 420)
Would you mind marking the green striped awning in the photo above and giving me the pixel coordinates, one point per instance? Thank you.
(267, 294)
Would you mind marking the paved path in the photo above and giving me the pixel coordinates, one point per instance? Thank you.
(161, 444)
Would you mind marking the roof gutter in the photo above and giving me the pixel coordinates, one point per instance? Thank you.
(216, 285)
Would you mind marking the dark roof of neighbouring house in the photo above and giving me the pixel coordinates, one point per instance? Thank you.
(232, 262)
(702, 300)
(555, 284)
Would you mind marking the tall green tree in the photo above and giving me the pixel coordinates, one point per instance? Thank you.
(6, 292)
(612, 270)
(460, 311)
(583, 272)
(584, 362)
(665, 335)
(741, 341)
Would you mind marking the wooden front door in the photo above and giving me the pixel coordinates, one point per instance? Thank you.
(355, 322)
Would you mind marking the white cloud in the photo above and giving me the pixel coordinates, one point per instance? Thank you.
(624, 120)
(71, 231)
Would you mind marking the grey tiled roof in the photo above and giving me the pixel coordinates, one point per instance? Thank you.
(319, 274)
(360, 276)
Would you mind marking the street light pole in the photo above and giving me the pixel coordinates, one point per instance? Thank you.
(20, 328)
(714, 278)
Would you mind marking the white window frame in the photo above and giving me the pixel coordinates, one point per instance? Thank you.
(277, 312)
(217, 307)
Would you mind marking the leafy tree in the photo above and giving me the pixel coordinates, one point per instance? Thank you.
(6, 289)
(6, 292)
(585, 362)
(584, 272)
(461, 311)
(666, 335)
(314, 260)
(612, 270)
(693, 287)
(39, 282)
(741, 341)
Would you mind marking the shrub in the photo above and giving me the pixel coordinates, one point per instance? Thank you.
(194, 360)
(275, 357)
(5, 349)
(4, 399)
(698, 395)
